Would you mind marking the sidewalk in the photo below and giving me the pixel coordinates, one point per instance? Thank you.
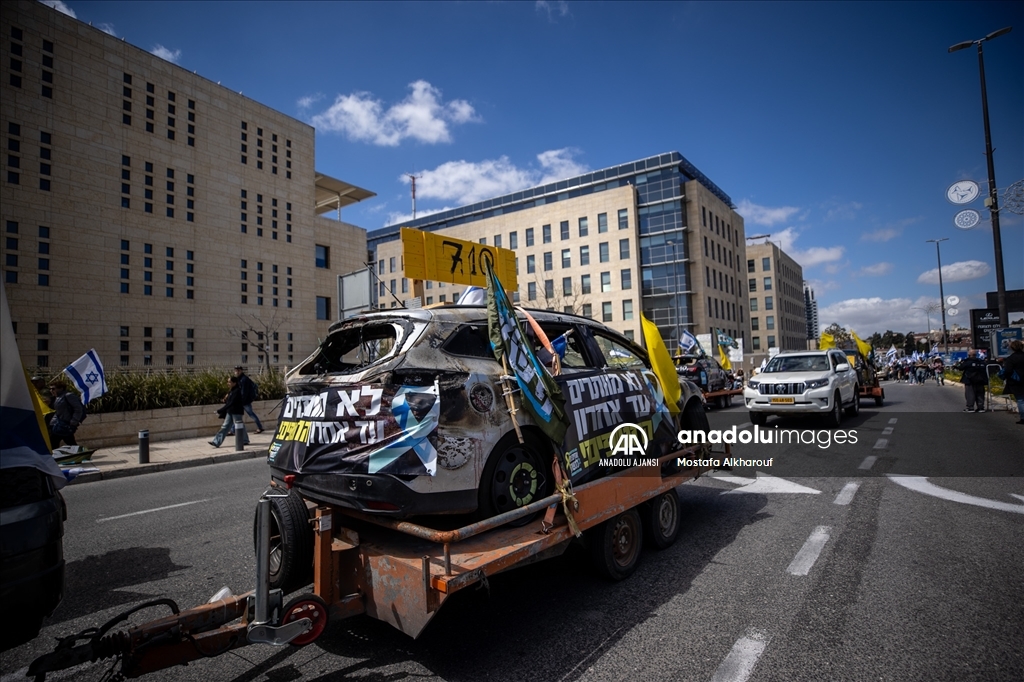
(123, 460)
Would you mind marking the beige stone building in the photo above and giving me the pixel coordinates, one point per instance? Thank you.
(654, 235)
(152, 214)
(778, 317)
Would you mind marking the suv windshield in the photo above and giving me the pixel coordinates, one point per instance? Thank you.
(355, 347)
(798, 363)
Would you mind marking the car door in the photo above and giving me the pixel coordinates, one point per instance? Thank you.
(846, 380)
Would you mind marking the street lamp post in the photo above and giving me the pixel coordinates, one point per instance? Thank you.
(942, 295)
(928, 317)
(992, 202)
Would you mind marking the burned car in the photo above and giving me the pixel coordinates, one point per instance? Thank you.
(403, 413)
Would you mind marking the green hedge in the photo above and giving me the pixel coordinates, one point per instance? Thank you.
(129, 390)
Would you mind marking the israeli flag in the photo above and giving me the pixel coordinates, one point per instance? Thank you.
(87, 373)
(688, 341)
(891, 353)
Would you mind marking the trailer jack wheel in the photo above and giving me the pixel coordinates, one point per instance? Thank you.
(306, 606)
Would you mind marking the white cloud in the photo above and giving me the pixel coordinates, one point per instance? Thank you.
(869, 315)
(309, 100)
(956, 272)
(764, 215)
(837, 211)
(106, 28)
(882, 235)
(820, 286)
(60, 7)
(421, 116)
(876, 270)
(816, 255)
(166, 53)
(559, 7)
(466, 182)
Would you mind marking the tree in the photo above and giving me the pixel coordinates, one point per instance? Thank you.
(839, 333)
(909, 344)
(259, 333)
(559, 300)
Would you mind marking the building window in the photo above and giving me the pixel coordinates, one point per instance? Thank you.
(602, 250)
(752, 284)
(44, 280)
(753, 305)
(584, 255)
(323, 256)
(563, 228)
(769, 322)
(584, 227)
(566, 258)
(766, 264)
(623, 219)
(549, 288)
(754, 324)
(767, 283)
(529, 236)
(602, 223)
(323, 308)
(585, 284)
(546, 234)
(497, 240)
(513, 240)
(547, 261)
(567, 286)
(750, 265)
(531, 264)
(623, 248)
(627, 279)
(531, 291)
(606, 282)
(769, 303)
(627, 309)
(756, 343)
(606, 311)
(588, 310)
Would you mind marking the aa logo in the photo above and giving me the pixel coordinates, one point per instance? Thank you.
(628, 440)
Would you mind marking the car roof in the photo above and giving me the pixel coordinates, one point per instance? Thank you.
(464, 314)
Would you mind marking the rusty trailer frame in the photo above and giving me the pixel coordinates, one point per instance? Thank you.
(395, 571)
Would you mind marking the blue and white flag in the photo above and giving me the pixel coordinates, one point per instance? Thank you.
(891, 353)
(687, 342)
(935, 349)
(87, 373)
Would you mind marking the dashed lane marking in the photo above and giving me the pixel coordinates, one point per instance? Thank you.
(808, 554)
(150, 511)
(893, 420)
(887, 431)
(845, 495)
(881, 444)
(868, 462)
(739, 663)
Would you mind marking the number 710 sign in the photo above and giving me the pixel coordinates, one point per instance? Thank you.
(438, 258)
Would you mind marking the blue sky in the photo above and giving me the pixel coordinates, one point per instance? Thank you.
(835, 127)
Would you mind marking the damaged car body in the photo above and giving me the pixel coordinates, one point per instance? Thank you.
(404, 413)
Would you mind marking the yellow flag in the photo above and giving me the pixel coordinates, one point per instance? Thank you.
(723, 359)
(863, 346)
(827, 341)
(661, 363)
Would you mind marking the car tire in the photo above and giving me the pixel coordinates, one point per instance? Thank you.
(854, 409)
(728, 401)
(661, 520)
(291, 542)
(615, 545)
(516, 474)
(758, 418)
(835, 416)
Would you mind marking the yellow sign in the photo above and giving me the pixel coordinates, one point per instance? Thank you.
(439, 258)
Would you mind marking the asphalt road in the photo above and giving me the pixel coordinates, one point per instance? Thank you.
(867, 573)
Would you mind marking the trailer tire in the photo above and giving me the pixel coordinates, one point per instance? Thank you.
(310, 606)
(615, 545)
(516, 474)
(879, 400)
(661, 520)
(291, 542)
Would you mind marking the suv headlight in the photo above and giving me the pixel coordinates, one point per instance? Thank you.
(753, 384)
(816, 383)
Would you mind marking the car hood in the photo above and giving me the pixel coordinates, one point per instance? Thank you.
(789, 377)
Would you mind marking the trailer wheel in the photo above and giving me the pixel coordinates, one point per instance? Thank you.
(615, 545)
(661, 520)
(306, 606)
(291, 542)
(879, 400)
(516, 474)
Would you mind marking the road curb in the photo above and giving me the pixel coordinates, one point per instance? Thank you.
(166, 466)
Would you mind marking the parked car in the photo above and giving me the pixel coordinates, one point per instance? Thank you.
(32, 515)
(703, 371)
(804, 382)
(402, 413)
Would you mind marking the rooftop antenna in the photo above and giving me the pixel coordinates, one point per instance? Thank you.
(412, 178)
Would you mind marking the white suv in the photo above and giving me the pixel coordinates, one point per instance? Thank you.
(804, 382)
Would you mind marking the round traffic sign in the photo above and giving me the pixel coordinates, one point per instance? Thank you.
(967, 219)
(952, 311)
(952, 300)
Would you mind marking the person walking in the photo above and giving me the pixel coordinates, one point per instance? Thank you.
(231, 411)
(249, 391)
(1012, 374)
(939, 368)
(974, 379)
(68, 414)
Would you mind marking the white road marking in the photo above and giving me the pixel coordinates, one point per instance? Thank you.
(150, 511)
(744, 425)
(764, 484)
(845, 495)
(922, 485)
(881, 444)
(739, 664)
(868, 462)
(808, 554)
(893, 420)
(887, 431)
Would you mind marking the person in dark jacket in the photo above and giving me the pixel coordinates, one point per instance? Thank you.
(231, 411)
(974, 379)
(68, 413)
(1013, 374)
(248, 387)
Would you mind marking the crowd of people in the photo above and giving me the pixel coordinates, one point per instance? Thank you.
(918, 370)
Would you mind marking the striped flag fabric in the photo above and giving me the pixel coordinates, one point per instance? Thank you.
(87, 374)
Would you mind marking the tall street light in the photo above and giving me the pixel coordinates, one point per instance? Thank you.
(928, 316)
(991, 202)
(942, 295)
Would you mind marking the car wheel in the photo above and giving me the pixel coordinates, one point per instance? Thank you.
(661, 520)
(854, 409)
(517, 474)
(615, 545)
(835, 417)
(719, 402)
(728, 401)
(291, 542)
(758, 418)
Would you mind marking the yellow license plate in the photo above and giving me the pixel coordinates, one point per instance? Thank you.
(783, 401)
